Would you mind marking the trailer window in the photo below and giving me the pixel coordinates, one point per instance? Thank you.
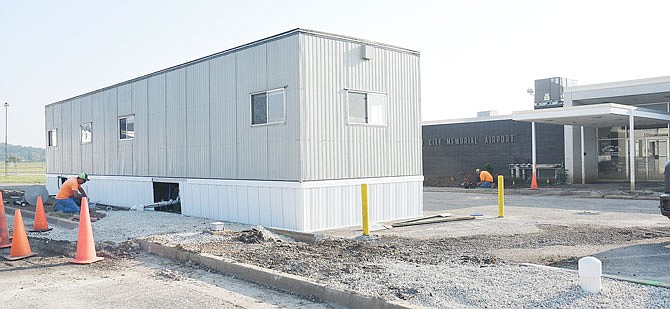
(127, 127)
(367, 108)
(86, 133)
(52, 138)
(268, 107)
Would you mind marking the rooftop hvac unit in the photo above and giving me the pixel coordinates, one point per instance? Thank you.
(549, 91)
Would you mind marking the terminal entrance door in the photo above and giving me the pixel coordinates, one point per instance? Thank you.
(612, 159)
(652, 153)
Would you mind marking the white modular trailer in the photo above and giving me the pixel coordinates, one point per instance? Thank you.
(279, 132)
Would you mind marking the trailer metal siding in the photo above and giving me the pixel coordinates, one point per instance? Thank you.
(405, 111)
(332, 148)
(111, 137)
(125, 147)
(99, 140)
(75, 137)
(67, 159)
(175, 127)
(156, 126)
(50, 124)
(86, 149)
(283, 154)
(223, 117)
(197, 120)
(322, 110)
(252, 151)
(141, 141)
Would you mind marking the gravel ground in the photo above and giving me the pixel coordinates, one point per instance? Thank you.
(446, 272)
(459, 272)
(119, 226)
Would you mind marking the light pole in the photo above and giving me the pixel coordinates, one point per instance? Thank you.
(6, 107)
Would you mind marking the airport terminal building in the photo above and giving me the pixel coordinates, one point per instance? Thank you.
(614, 131)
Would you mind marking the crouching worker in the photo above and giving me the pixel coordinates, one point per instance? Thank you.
(69, 196)
(485, 179)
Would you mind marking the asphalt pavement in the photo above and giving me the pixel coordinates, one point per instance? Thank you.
(646, 261)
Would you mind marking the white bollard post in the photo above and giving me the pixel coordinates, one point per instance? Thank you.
(590, 273)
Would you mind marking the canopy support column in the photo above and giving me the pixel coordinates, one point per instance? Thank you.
(631, 148)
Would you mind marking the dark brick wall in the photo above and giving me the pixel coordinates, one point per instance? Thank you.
(458, 149)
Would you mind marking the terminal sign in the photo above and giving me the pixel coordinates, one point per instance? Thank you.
(471, 140)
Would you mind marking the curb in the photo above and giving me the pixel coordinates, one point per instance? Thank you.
(286, 282)
(64, 223)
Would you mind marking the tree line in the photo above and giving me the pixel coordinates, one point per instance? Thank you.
(18, 153)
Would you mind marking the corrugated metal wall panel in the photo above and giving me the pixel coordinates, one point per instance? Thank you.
(75, 136)
(98, 133)
(334, 149)
(141, 141)
(50, 152)
(125, 147)
(125, 100)
(242, 198)
(111, 132)
(340, 206)
(404, 106)
(253, 205)
(197, 120)
(176, 123)
(252, 152)
(65, 143)
(330, 149)
(105, 190)
(283, 147)
(270, 204)
(368, 75)
(275, 217)
(156, 126)
(86, 149)
(324, 153)
(223, 117)
(233, 212)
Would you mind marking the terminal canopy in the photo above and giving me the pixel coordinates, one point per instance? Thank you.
(598, 115)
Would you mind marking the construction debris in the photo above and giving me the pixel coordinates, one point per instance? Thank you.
(445, 217)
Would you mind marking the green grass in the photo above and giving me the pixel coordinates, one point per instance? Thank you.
(23, 172)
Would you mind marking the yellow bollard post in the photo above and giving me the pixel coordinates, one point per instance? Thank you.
(364, 197)
(501, 196)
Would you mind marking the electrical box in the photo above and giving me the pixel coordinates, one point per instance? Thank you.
(366, 52)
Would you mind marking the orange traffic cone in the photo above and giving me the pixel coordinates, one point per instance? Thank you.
(533, 183)
(40, 224)
(4, 230)
(85, 242)
(20, 246)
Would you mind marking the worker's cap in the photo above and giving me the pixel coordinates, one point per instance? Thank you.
(477, 171)
(83, 176)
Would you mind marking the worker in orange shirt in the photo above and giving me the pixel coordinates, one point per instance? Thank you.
(69, 196)
(485, 179)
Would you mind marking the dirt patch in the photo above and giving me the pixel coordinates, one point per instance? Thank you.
(47, 250)
(331, 259)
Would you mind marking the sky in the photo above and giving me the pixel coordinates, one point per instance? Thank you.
(476, 55)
